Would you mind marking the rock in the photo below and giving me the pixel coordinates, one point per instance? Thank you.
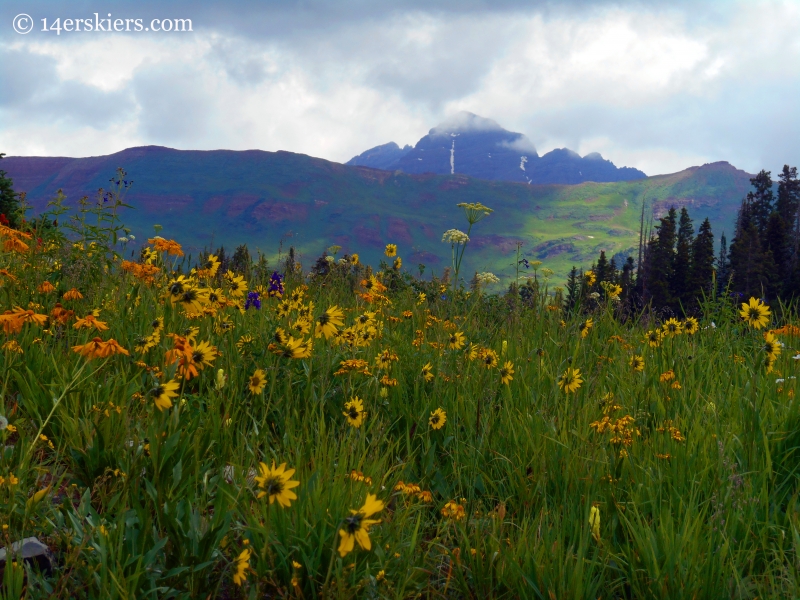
(31, 550)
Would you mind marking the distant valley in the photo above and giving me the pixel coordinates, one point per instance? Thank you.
(272, 200)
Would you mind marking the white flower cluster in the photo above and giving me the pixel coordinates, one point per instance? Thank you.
(454, 236)
(486, 278)
(329, 258)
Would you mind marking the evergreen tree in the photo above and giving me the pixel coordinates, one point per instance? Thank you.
(788, 207)
(723, 265)
(680, 285)
(760, 201)
(573, 290)
(626, 281)
(240, 263)
(602, 270)
(9, 199)
(702, 272)
(749, 263)
(660, 261)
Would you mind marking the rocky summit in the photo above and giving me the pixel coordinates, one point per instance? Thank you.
(472, 145)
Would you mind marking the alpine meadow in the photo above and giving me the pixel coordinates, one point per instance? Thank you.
(341, 430)
(399, 300)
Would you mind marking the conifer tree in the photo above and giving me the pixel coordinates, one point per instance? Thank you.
(601, 270)
(760, 201)
(573, 290)
(750, 265)
(9, 199)
(680, 285)
(723, 265)
(660, 261)
(702, 272)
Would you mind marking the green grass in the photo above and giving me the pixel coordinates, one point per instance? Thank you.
(144, 503)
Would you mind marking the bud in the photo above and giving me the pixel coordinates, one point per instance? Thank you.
(220, 380)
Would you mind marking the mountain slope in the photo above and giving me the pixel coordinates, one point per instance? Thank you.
(479, 147)
(271, 200)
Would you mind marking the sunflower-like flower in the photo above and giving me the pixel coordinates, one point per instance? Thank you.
(570, 380)
(637, 363)
(772, 347)
(456, 341)
(585, 327)
(97, 348)
(192, 299)
(427, 372)
(242, 566)
(292, 348)
(245, 344)
(507, 372)
(590, 278)
(90, 321)
(354, 412)
(328, 322)
(276, 484)
(672, 327)
(257, 382)
(653, 338)
(755, 313)
(163, 394)
(204, 355)
(355, 528)
(391, 250)
(73, 294)
(437, 419)
(489, 358)
(237, 286)
(691, 326)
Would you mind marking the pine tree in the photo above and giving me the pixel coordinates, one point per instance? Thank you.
(749, 263)
(680, 285)
(788, 207)
(240, 263)
(723, 265)
(9, 199)
(760, 200)
(702, 273)
(573, 290)
(602, 270)
(660, 261)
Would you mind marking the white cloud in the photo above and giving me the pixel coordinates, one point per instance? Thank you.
(657, 88)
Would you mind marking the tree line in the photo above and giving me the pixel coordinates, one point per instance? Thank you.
(677, 267)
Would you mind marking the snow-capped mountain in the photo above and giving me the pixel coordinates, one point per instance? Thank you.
(472, 145)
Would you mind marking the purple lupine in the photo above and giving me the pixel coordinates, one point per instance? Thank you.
(275, 284)
(253, 300)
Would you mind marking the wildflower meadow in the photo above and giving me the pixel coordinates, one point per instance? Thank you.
(174, 429)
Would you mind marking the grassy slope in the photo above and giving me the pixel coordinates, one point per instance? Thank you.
(267, 199)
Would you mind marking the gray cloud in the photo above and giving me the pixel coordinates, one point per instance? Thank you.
(332, 79)
(172, 106)
(32, 91)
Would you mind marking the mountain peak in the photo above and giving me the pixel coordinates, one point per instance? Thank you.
(469, 144)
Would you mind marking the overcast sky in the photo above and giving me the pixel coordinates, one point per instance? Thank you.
(660, 86)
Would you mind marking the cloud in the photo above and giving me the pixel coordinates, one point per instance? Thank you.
(32, 91)
(659, 86)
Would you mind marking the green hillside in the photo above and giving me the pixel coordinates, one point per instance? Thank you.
(273, 200)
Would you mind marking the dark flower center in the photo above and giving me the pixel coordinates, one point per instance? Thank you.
(273, 486)
(353, 523)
